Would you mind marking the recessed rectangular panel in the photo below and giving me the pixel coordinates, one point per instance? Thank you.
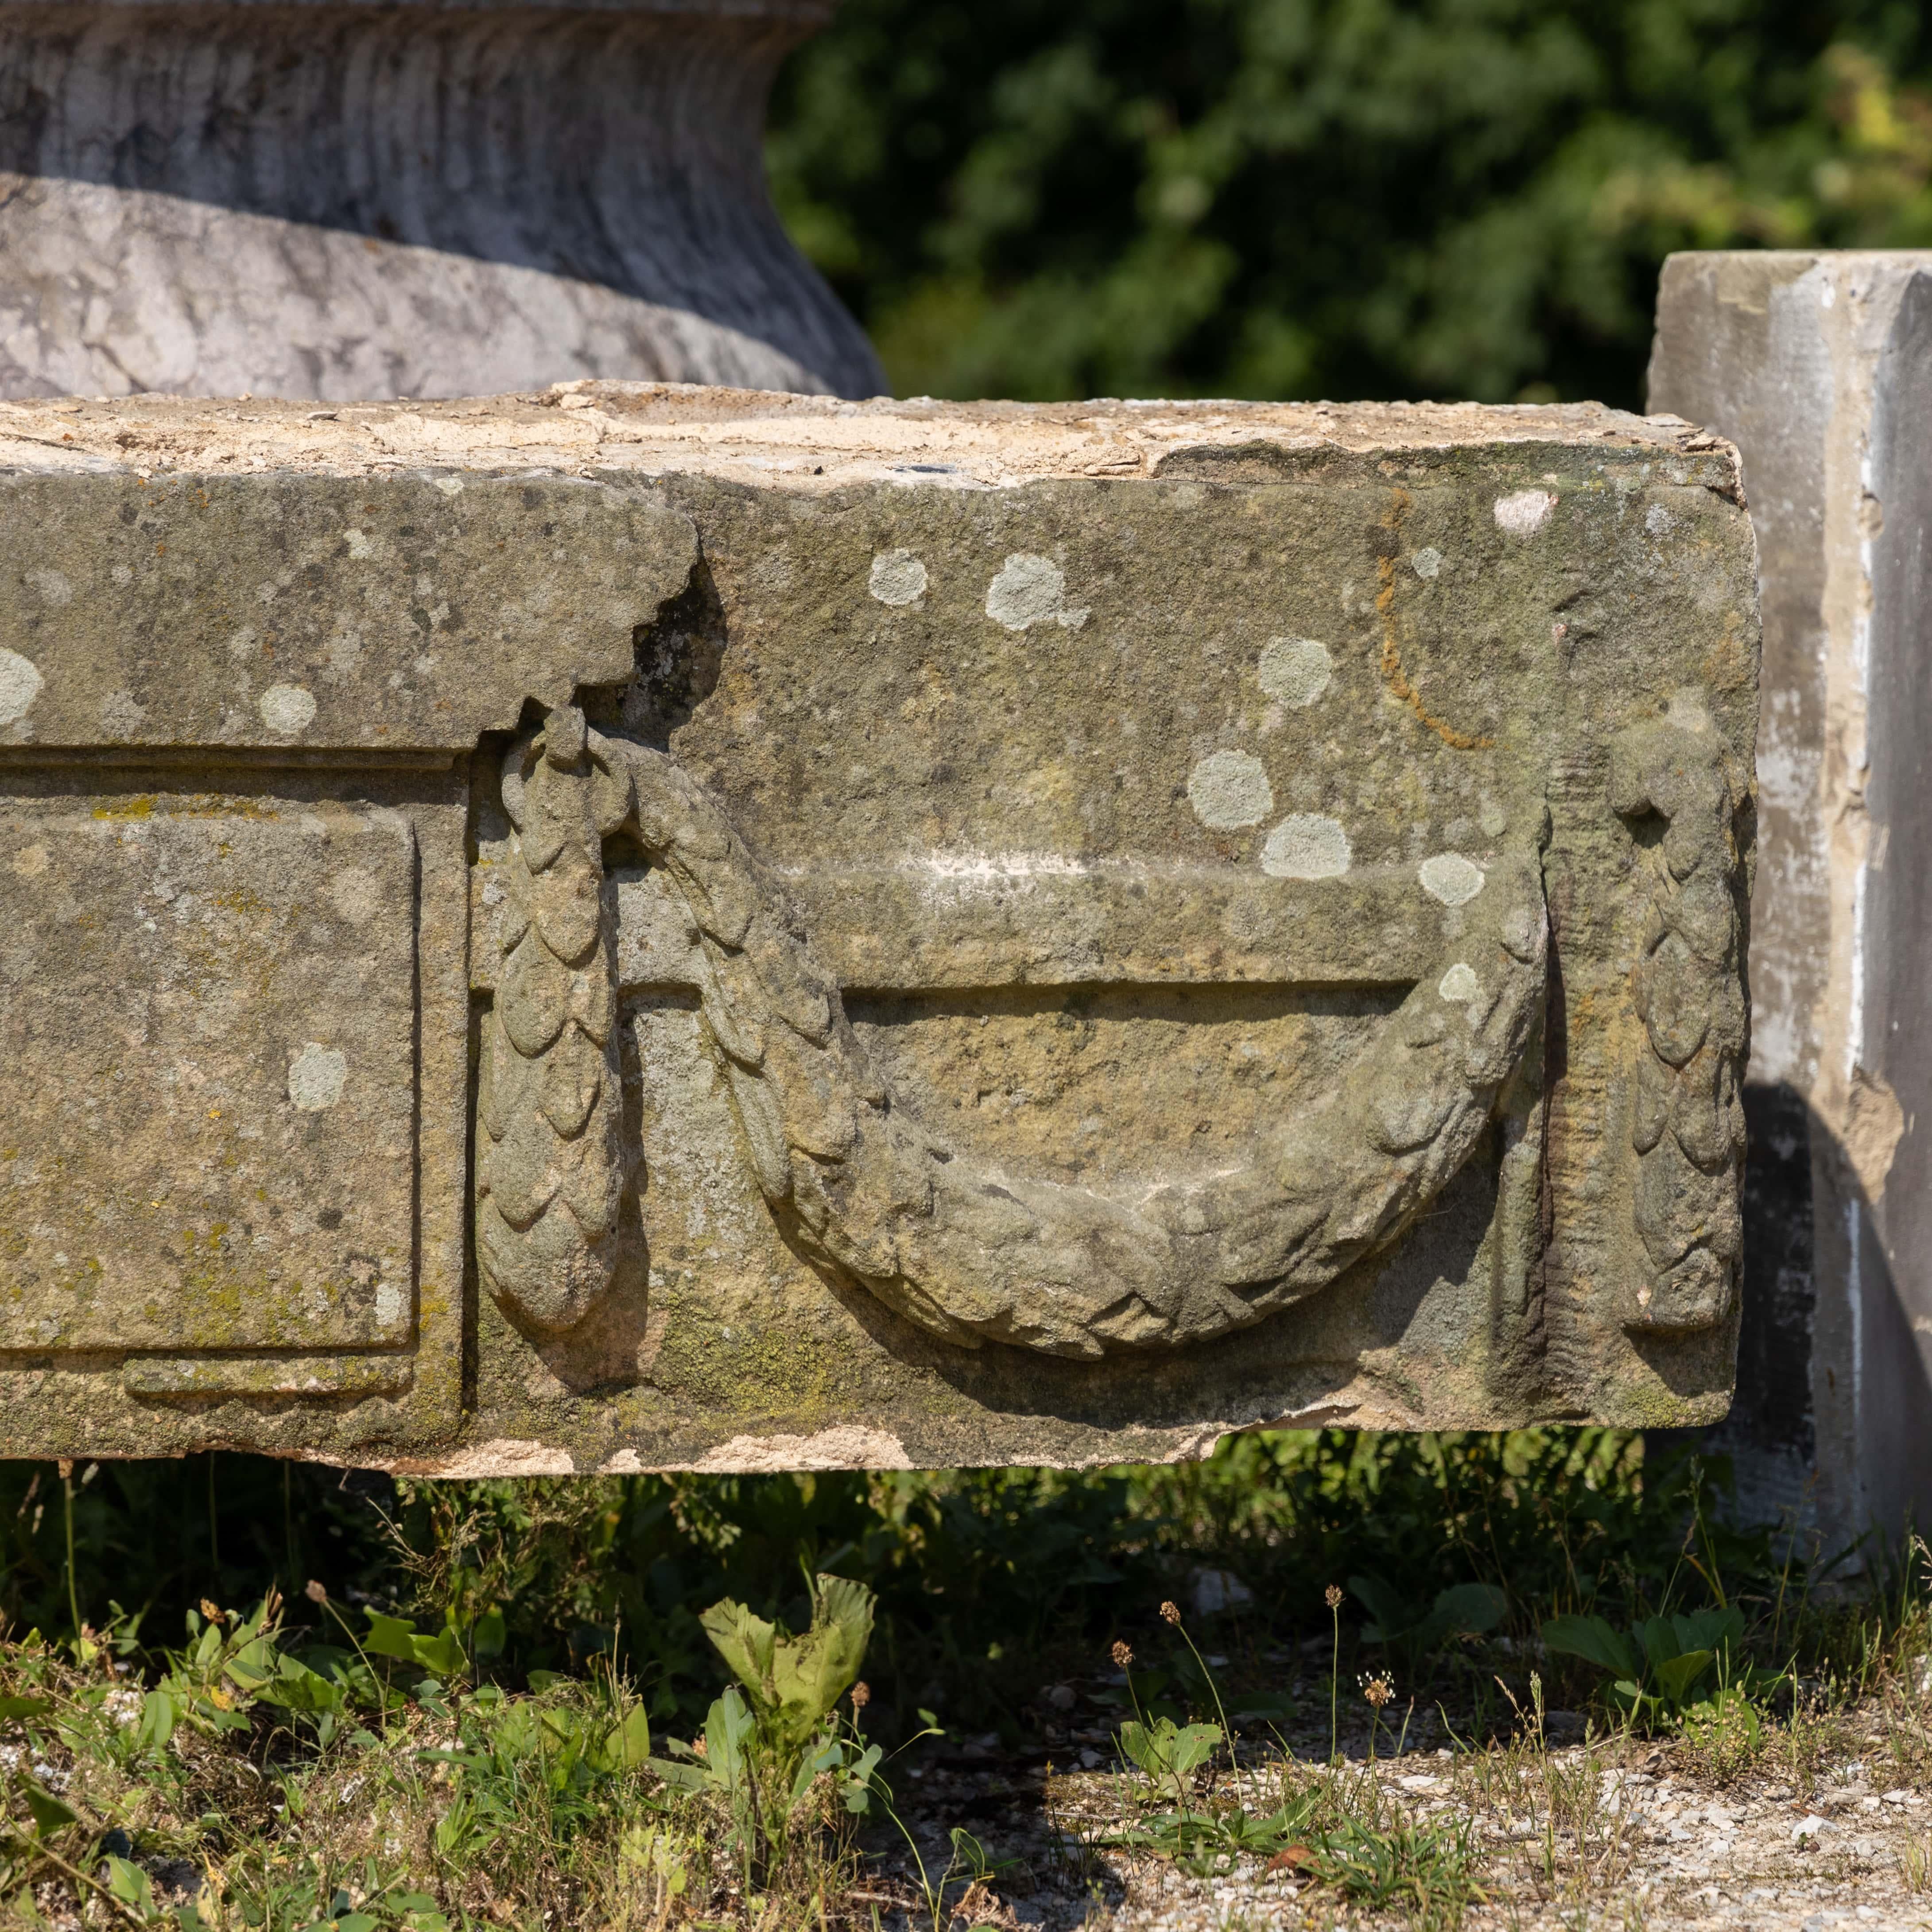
(207, 1075)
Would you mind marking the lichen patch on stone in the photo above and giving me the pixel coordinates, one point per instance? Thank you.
(1229, 790)
(1523, 512)
(287, 708)
(1031, 590)
(1306, 846)
(1296, 671)
(20, 682)
(317, 1077)
(1451, 878)
(898, 578)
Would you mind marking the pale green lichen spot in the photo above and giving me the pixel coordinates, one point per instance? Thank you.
(317, 1076)
(1460, 984)
(1306, 846)
(1031, 590)
(1296, 671)
(287, 708)
(898, 578)
(1451, 878)
(1228, 789)
(20, 683)
(1524, 511)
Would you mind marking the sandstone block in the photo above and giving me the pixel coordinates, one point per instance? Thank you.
(638, 927)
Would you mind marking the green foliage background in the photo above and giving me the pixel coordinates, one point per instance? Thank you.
(987, 1581)
(1357, 198)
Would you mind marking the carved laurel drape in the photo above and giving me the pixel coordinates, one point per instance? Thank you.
(860, 1186)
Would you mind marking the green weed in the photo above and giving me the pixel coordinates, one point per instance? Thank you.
(524, 1709)
(1424, 1871)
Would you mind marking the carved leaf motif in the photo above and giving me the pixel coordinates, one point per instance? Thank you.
(723, 907)
(1677, 1001)
(1704, 916)
(550, 1167)
(1687, 1124)
(1652, 1114)
(757, 1109)
(520, 1172)
(613, 798)
(573, 1078)
(593, 1005)
(567, 900)
(737, 1034)
(1408, 1107)
(550, 817)
(534, 996)
(590, 1183)
(1699, 1117)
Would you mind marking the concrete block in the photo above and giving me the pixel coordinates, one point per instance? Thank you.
(645, 927)
(1819, 367)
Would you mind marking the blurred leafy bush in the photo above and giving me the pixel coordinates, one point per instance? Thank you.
(985, 1579)
(1344, 198)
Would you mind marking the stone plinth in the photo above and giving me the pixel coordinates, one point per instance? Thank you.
(647, 928)
(425, 198)
(1818, 367)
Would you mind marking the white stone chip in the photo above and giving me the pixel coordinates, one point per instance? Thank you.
(287, 708)
(316, 1075)
(1525, 513)
(20, 682)
(1451, 878)
(1306, 846)
(1295, 670)
(898, 578)
(1228, 789)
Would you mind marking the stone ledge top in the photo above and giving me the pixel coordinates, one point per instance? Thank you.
(807, 443)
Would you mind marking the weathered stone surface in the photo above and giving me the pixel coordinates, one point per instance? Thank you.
(1818, 366)
(911, 933)
(221, 991)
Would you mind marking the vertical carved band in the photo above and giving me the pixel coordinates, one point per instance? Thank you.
(549, 1156)
(1687, 1123)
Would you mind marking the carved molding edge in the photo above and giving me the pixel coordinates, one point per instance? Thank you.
(1687, 1121)
(964, 1252)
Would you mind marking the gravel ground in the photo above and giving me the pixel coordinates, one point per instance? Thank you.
(1613, 1833)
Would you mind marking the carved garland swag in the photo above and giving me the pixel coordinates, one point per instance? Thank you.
(972, 1256)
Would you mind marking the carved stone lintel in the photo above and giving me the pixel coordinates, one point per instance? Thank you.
(1074, 952)
(1687, 1125)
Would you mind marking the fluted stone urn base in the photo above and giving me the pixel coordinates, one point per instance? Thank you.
(416, 199)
